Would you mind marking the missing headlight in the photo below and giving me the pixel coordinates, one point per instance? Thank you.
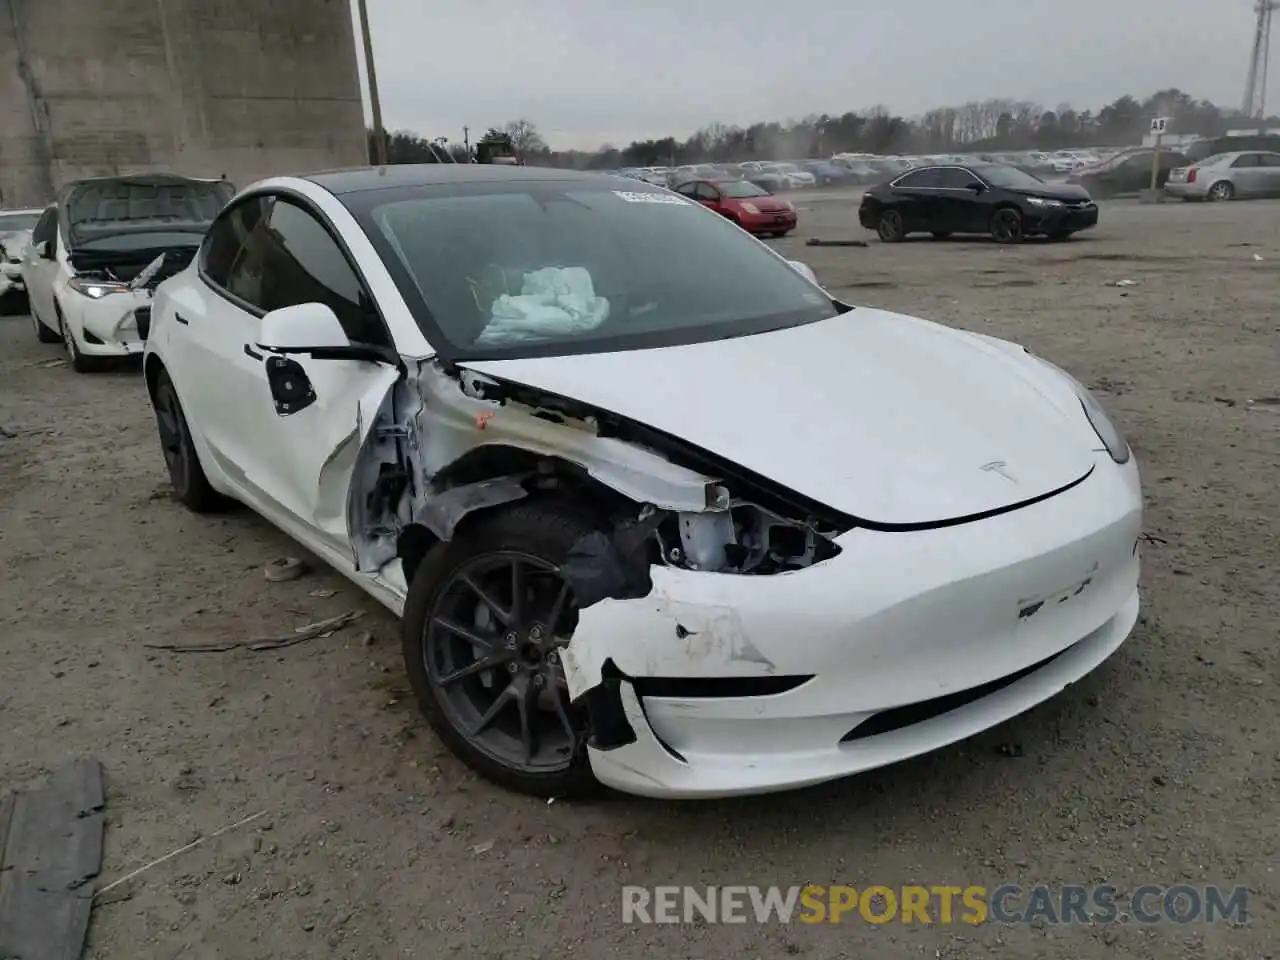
(746, 539)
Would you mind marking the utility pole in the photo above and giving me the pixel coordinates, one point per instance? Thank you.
(1255, 92)
(375, 105)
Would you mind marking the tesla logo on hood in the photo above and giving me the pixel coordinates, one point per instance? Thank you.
(998, 466)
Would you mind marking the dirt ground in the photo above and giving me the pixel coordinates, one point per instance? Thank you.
(1162, 767)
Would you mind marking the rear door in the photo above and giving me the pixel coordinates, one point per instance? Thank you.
(1247, 175)
(204, 331)
(916, 197)
(1269, 174)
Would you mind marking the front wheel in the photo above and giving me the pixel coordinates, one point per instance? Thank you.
(79, 362)
(485, 621)
(891, 227)
(1006, 226)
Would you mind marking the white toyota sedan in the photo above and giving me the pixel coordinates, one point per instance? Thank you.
(97, 253)
(656, 511)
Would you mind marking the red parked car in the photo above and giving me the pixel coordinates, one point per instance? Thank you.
(754, 209)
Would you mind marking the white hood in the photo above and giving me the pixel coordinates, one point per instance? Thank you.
(888, 418)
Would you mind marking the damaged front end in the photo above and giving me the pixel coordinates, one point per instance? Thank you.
(450, 445)
(116, 290)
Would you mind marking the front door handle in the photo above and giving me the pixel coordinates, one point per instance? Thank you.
(250, 352)
(180, 318)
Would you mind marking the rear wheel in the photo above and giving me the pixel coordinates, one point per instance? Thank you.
(485, 621)
(891, 227)
(1006, 226)
(1222, 190)
(190, 485)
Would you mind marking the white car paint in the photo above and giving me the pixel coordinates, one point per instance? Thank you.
(65, 305)
(906, 424)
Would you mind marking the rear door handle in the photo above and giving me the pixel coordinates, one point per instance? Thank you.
(250, 352)
(181, 319)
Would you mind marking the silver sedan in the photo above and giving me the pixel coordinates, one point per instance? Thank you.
(1228, 176)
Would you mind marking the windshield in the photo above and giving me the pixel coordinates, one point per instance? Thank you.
(1010, 177)
(18, 221)
(547, 268)
(741, 188)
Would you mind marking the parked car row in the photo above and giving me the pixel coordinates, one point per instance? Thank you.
(494, 399)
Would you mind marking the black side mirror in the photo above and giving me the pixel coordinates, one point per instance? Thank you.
(977, 187)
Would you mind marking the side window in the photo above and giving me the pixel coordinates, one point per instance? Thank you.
(1270, 159)
(1245, 160)
(921, 179)
(223, 254)
(707, 192)
(46, 228)
(687, 189)
(303, 263)
(953, 178)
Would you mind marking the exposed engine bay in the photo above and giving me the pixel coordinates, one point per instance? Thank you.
(143, 269)
(449, 443)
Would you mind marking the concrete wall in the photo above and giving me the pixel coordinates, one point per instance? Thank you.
(245, 88)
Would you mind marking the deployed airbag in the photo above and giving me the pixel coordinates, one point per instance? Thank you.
(553, 302)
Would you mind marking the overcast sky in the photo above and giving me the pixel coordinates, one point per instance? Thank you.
(588, 72)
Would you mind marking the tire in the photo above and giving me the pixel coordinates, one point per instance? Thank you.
(79, 362)
(779, 234)
(43, 333)
(1222, 190)
(190, 485)
(1006, 225)
(538, 535)
(891, 227)
(942, 235)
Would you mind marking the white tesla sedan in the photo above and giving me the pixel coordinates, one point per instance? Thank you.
(655, 509)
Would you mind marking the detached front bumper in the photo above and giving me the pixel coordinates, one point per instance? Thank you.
(903, 643)
(115, 325)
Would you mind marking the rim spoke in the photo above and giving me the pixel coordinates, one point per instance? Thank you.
(504, 617)
(563, 715)
(558, 610)
(479, 665)
(527, 704)
(466, 633)
(491, 714)
(517, 591)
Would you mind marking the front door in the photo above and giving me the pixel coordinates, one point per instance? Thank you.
(306, 452)
(1248, 175)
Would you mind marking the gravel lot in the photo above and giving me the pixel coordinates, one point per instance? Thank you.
(1162, 767)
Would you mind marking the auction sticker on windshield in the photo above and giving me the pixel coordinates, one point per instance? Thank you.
(632, 196)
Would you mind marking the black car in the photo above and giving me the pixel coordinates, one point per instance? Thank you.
(990, 198)
(1127, 172)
